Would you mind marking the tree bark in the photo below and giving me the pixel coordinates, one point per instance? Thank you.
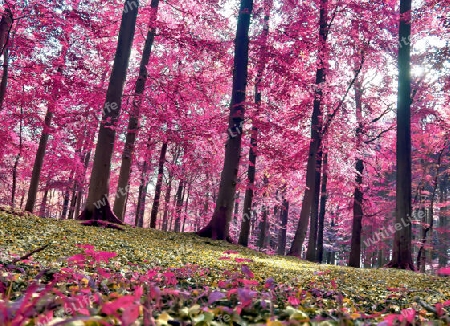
(323, 203)
(443, 222)
(248, 199)
(155, 207)
(140, 207)
(179, 205)
(314, 216)
(282, 233)
(358, 196)
(167, 202)
(316, 139)
(133, 123)
(101, 170)
(186, 203)
(38, 162)
(218, 227)
(16, 161)
(262, 228)
(5, 28)
(4, 81)
(251, 170)
(427, 228)
(401, 253)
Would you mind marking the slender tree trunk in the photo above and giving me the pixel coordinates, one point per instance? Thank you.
(133, 123)
(66, 196)
(262, 228)
(358, 196)
(355, 247)
(5, 28)
(236, 208)
(155, 207)
(75, 205)
(443, 222)
(16, 161)
(427, 227)
(248, 199)
(323, 203)
(314, 217)
(218, 227)
(38, 162)
(186, 203)
(284, 218)
(179, 205)
(316, 139)
(43, 207)
(97, 205)
(401, 253)
(251, 170)
(167, 202)
(140, 207)
(4, 81)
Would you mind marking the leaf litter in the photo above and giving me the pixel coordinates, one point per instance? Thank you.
(95, 276)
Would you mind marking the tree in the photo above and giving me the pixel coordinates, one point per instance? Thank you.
(218, 227)
(358, 213)
(133, 123)
(401, 252)
(252, 154)
(314, 155)
(99, 181)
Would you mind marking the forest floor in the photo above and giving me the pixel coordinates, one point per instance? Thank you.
(94, 276)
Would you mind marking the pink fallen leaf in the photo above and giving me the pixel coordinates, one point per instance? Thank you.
(247, 272)
(215, 296)
(293, 301)
(130, 314)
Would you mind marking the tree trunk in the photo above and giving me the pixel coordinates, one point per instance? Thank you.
(75, 204)
(218, 227)
(251, 170)
(38, 162)
(443, 222)
(155, 207)
(140, 207)
(179, 205)
(355, 246)
(323, 203)
(5, 28)
(16, 162)
(4, 81)
(97, 205)
(167, 202)
(133, 123)
(248, 199)
(316, 139)
(314, 217)
(43, 207)
(401, 252)
(66, 196)
(262, 228)
(284, 218)
(427, 228)
(186, 203)
(358, 196)
(236, 208)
